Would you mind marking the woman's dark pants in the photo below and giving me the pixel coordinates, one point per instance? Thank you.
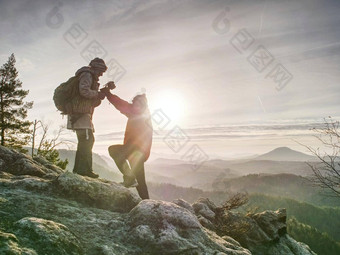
(123, 153)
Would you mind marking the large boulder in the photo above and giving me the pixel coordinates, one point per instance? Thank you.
(244, 229)
(262, 233)
(19, 171)
(47, 237)
(159, 227)
(276, 241)
(205, 208)
(286, 246)
(95, 192)
(182, 203)
(205, 211)
(273, 223)
(18, 163)
(26, 182)
(9, 244)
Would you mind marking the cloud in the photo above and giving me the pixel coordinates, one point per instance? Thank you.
(25, 65)
(166, 44)
(219, 133)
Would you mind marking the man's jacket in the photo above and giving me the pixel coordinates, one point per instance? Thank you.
(85, 101)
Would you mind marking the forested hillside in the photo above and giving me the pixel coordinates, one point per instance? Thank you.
(284, 185)
(319, 242)
(319, 227)
(324, 219)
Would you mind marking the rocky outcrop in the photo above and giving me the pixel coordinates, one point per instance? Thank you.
(20, 164)
(37, 175)
(262, 233)
(164, 228)
(44, 210)
(206, 212)
(95, 192)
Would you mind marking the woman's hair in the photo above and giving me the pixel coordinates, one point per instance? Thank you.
(141, 99)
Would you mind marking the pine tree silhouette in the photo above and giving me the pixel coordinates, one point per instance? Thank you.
(14, 128)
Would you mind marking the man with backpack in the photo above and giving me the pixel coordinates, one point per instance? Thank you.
(80, 108)
(130, 156)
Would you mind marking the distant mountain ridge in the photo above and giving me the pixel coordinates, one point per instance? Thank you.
(101, 165)
(70, 156)
(285, 154)
(180, 172)
(168, 161)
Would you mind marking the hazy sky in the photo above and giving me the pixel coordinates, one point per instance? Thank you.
(198, 61)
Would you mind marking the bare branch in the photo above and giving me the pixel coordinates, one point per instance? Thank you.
(234, 202)
(326, 172)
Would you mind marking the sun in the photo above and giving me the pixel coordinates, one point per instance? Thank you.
(171, 103)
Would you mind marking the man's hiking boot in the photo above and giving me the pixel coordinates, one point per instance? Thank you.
(91, 174)
(88, 174)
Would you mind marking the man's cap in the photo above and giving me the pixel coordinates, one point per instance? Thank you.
(98, 64)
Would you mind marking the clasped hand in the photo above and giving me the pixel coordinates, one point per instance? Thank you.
(106, 90)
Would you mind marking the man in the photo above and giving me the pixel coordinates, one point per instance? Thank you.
(137, 141)
(82, 107)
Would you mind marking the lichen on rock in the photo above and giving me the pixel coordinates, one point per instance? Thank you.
(9, 244)
(95, 192)
(47, 237)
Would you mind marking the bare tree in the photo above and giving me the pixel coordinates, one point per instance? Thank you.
(326, 172)
(34, 134)
(226, 225)
(47, 147)
(52, 143)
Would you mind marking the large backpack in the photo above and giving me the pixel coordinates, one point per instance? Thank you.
(64, 93)
(68, 100)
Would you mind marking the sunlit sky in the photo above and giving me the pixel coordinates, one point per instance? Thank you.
(184, 55)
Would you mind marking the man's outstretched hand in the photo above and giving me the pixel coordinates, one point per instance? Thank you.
(105, 91)
(101, 95)
(108, 86)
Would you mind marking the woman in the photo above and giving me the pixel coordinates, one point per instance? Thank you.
(130, 156)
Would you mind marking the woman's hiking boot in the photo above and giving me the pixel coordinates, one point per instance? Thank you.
(129, 182)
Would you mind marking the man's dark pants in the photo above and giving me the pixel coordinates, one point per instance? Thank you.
(83, 160)
(121, 153)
